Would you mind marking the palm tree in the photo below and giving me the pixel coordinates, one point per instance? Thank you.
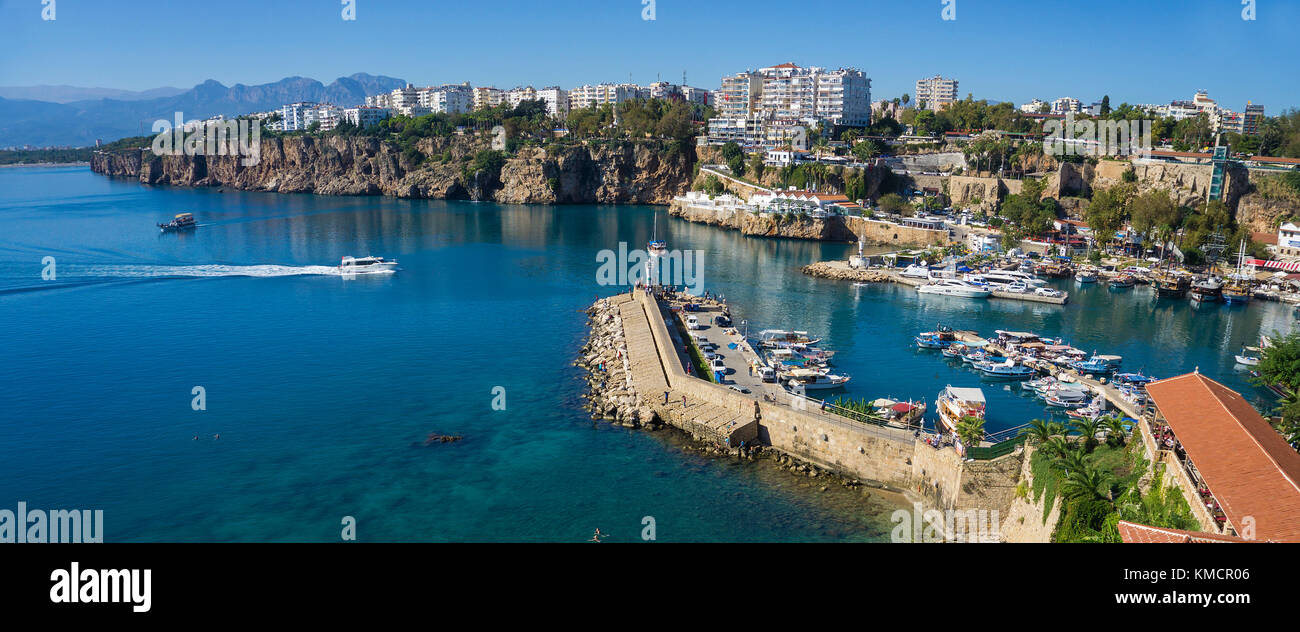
(1115, 430)
(971, 431)
(1088, 429)
(1085, 484)
(1038, 430)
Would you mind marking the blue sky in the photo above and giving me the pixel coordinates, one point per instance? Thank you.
(1141, 51)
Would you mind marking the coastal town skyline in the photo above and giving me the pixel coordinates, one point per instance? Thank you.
(381, 39)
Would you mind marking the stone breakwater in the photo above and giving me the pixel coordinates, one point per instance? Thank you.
(611, 394)
(840, 271)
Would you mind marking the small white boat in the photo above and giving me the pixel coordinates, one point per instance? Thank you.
(362, 265)
(1245, 360)
(955, 287)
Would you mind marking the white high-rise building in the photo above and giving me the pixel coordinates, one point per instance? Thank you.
(365, 116)
(557, 101)
(795, 93)
(589, 96)
(405, 100)
(447, 99)
(1066, 105)
(486, 97)
(935, 93)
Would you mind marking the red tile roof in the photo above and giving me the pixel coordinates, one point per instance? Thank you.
(1247, 465)
(1134, 533)
(1285, 161)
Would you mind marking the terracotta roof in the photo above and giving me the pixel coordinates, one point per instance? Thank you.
(1180, 154)
(1134, 533)
(1248, 466)
(1285, 161)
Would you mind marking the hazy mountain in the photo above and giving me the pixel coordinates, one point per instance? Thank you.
(79, 123)
(67, 94)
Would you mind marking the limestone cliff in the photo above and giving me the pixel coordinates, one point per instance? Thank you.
(597, 173)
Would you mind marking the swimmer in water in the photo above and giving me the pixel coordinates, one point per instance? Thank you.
(597, 536)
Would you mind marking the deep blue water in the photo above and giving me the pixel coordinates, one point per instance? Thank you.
(322, 389)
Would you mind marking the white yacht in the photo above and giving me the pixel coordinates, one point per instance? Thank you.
(999, 278)
(815, 380)
(363, 265)
(955, 287)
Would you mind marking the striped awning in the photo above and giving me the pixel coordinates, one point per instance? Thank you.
(1289, 266)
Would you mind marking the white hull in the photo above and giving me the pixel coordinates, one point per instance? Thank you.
(953, 291)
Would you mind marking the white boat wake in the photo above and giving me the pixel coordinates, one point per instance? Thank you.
(211, 270)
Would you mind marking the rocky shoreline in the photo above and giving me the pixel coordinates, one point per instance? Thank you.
(840, 271)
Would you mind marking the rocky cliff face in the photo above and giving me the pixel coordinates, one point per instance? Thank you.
(610, 173)
(829, 229)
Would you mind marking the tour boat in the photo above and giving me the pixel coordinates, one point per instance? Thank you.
(1236, 293)
(775, 338)
(955, 403)
(182, 221)
(954, 287)
(351, 265)
(1207, 290)
(1171, 286)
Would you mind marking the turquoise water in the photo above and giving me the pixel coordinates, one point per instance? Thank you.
(323, 389)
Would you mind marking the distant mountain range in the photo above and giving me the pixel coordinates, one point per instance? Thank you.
(46, 122)
(68, 94)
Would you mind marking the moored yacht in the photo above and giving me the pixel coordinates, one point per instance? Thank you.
(955, 287)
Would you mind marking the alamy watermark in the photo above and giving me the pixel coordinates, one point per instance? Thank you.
(1248, 10)
(240, 137)
(1088, 137)
(349, 10)
(950, 525)
(949, 10)
(640, 268)
(648, 10)
(38, 526)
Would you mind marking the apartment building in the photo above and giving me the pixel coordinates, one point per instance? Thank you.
(740, 95)
(447, 99)
(1252, 119)
(556, 99)
(935, 93)
(487, 97)
(365, 116)
(1066, 105)
(1033, 107)
(406, 100)
(589, 96)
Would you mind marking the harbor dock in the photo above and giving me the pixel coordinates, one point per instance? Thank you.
(841, 270)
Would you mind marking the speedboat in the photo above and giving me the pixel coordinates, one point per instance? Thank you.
(1136, 379)
(363, 265)
(954, 287)
(776, 338)
(955, 403)
(182, 221)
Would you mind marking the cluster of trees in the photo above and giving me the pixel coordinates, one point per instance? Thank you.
(1098, 488)
(1280, 366)
(1027, 214)
(969, 114)
(79, 154)
(1155, 215)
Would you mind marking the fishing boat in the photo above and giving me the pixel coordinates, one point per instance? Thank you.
(1246, 360)
(954, 350)
(362, 265)
(1136, 379)
(1171, 286)
(182, 221)
(1067, 398)
(1122, 282)
(955, 403)
(1086, 276)
(1008, 370)
(954, 287)
(1040, 385)
(1207, 290)
(1093, 410)
(940, 339)
(1097, 365)
(899, 414)
(810, 380)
